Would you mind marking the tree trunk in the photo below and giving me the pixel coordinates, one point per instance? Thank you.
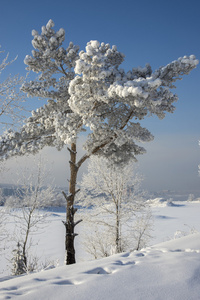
(26, 239)
(70, 210)
(117, 237)
(24, 255)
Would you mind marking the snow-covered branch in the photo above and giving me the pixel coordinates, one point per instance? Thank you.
(11, 98)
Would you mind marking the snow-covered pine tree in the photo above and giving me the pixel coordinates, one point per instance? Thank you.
(102, 97)
(19, 267)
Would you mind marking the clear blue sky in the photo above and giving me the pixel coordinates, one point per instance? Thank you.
(154, 32)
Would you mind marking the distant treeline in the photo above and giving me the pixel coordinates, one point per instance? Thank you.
(10, 193)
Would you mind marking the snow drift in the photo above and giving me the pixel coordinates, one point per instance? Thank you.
(170, 270)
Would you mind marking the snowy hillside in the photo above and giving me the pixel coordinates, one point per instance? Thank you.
(167, 271)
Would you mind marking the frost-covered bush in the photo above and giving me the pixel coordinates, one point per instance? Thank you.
(18, 266)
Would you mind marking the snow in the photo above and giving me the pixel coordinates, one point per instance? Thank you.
(168, 269)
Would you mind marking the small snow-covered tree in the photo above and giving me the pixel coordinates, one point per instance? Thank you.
(191, 198)
(18, 266)
(32, 198)
(114, 200)
(89, 90)
(11, 98)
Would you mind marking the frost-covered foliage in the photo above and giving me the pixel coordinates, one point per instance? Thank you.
(11, 98)
(19, 267)
(116, 208)
(49, 123)
(110, 100)
(101, 96)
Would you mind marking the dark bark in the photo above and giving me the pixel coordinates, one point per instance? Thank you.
(70, 210)
(24, 257)
(26, 237)
(118, 235)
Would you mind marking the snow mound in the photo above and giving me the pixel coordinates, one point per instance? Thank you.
(197, 200)
(191, 241)
(170, 270)
(161, 202)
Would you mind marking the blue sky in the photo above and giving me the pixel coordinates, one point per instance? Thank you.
(154, 32)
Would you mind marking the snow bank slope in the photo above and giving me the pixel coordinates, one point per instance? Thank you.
(166, 271)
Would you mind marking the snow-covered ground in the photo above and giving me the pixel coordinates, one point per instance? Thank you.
(168, 269)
